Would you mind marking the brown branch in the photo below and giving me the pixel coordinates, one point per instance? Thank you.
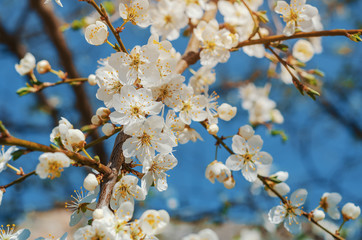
(192, 54)
(80, 159)
(115, 163)
(71, 81)
(52, 25)
(18, 49)
(277, 38)
(19, 180)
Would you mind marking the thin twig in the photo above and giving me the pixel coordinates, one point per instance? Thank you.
(19, 180)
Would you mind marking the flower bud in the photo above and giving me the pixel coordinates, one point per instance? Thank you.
(76, 138)
(108, 129)
(217, 170)
(92, 79)
(90, 182)
(303, 50)
(246, 132)
(96, 120)
(98, 214)
(213, 129)
(350, 211)
(318, 215)
(229, 183)
(226, 112)
(103, 113)
(96, 34)
(43, 66)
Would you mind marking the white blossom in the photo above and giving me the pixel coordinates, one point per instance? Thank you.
(26, 65)
(246, 132)
(139, 64)
(170, 90)
(290, 212)
(146, 138)
(81, 205)
(125, 190)
(135, 11)
(7, 233)
(282, 188)
(202, 79)
(168, 18)
(303, 50)
(155, 171)
(296, 15)
(51, 165)
(133, 105)
(329, 203)
(5, 157)
(318, 215)
(217, 170)
(248, 156)
(96, 34)
(153, 222)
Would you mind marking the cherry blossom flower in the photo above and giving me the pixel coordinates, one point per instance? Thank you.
(169, 92)
(168, 18)
(303, 50)
(146, 137)
(26, 65)
(201, 79)
(57, 1)
(140, 64)
(329, 203)
(194, 8)
(109, 84)
(135, 11)
(81, 205)
(281, 187)
(289, 212)
(191, 108)
(350, 211)
(125, 190)
(133, 105)
(188, 134)
(5, 157)
(217, 170)
(248, 156)
(96, 34)
(51, 165)
(155, 171)
(153, 222)
(203, 234)
(98, 230)
(8, 233)
(296, 15)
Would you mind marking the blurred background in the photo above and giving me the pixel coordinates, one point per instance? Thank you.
(323, 152)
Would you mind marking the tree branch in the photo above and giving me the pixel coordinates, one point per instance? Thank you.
(52, 26)
(19, 180)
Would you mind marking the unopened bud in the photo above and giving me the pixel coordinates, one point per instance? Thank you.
(350, 211)
(90, 182)
(229, 183)
(92, 80)
(108, 129)
(98, 214)
(213, 129)
(318, 215)
(96, 120)
(226, 112)
(103, 113)
(246, 132)
(76, 138)
(276, 116)
(43, 66)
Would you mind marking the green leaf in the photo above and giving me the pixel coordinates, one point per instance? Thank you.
(280, 133)
(262, 16)
(355, 37)
(25, 90)
(312, 93)
(17, 154)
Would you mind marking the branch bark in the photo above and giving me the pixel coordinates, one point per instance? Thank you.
(52, 26)
(115, 163)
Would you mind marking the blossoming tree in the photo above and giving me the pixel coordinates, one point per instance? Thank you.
(152, 108)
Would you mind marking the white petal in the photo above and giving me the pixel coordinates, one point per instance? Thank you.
(276, 214)
(298, 197)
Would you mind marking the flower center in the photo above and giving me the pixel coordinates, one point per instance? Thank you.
(54, 169)
(146, 139)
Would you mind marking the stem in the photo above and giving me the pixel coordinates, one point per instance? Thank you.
(85, 152)
(340, 228)
(110, 44)
(53, 71)
(40, 87)
(13, 168)
(95, 142)
(18, 180)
